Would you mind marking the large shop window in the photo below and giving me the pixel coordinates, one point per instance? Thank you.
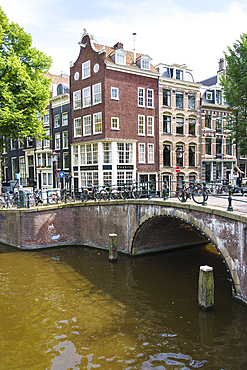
(89, 154)
(89, 178)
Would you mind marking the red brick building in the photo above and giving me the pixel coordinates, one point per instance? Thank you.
(114, 115)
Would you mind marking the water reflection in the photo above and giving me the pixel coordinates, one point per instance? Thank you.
(71, 309)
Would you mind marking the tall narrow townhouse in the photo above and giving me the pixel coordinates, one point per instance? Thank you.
(179, 124)
(218, 150)
(114, 112)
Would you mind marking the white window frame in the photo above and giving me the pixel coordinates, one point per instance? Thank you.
(86, 73)
(141, 97)
(107, 153)
(141, 153)
(96, 132)
(65, 122)
(57, 140)
(114, 93)
(46, 141)
(141, 125)
(150, 126)
(77, 99)
(117, 123)
(145, 64)
(97, 95)
(65, 146)
(46, 119)
(120, 58)
(76, 127)
(151, 153)
(87, 125)
(150, 100)
(57, 121)
(86, 97)
(22, 168)
(64, 154)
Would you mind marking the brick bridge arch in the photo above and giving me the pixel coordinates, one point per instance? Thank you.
(172, 223)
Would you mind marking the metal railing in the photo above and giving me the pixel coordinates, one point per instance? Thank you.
(182, 190)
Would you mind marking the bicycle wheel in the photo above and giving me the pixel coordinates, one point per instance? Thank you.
(197, 195)
(103, 195)
(136, 193)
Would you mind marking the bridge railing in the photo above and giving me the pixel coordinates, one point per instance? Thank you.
(200, 192)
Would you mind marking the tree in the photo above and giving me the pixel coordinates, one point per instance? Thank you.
(24, 88)
(234, 86)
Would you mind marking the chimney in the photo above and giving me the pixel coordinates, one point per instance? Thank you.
(221, 64)
(118, 45)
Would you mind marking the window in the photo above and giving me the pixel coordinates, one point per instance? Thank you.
(29, 141)
(77, 99)
(208, 146)
(180, 155)
(179, 99)
(65, 139)
(106, 152)
(49, 178)
(150, 126)
(167, 124)
(179, 74)
(228, 146)
(65, 119)
(150, 97)
(209, 95)
(167, 155)
(97, 93)
(39, 160)
(89, 154)
(22, 168)
(150, 153)
(125, 153)
(192, 155)
(167, 97)
(192, 126)
(38, 143)
(219, 124)
(97, 123)
(218, 147)
(218, 170)
(47, 141)
(57, 121)
(49, 160)
(44, 159)
(208, 121)
(114, 93)
(124, 177)
(141, 96)
(208, 172)
(107, 178)
(14, 167)
(46, 118)
(179, 125)
(89, 178)
(141, 125)
(86, 70)
(86, 125)
(218, 97)
(75, 155)
(120, 58)
(86, 93)
(192, 101)
(57, 140)
(145, 64)
(77, 127)
(115, 123)
(65, 160)
(44, 179)
(141, 153)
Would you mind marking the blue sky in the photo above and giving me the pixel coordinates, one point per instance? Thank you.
(192, 32)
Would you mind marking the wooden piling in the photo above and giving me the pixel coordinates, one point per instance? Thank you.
(206, 287)
(113, 252)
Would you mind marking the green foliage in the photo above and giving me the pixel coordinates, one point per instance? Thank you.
(234, 85)
(24, 89)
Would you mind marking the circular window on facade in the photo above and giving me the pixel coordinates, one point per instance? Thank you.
(96, 68)
(76, 76)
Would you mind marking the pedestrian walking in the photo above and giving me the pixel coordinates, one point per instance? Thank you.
(237, 179)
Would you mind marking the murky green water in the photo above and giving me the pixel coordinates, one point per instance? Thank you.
(69, 308)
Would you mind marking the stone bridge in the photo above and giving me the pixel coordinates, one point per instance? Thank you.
(142, 226)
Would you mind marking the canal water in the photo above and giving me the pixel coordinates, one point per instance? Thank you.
(70, 308)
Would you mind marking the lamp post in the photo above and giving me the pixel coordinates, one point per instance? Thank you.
(54, 159)
(179, 154)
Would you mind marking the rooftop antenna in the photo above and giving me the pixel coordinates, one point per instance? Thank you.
(134, 34)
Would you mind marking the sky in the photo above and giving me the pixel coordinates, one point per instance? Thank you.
(194, 32)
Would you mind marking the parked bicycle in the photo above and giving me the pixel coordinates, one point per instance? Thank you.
(194, 191)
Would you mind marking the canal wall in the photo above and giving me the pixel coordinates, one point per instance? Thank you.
(142, 226)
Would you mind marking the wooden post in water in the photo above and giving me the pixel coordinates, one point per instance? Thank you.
(206, 287)
(113, 254)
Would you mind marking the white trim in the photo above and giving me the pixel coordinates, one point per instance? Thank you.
(139, 152)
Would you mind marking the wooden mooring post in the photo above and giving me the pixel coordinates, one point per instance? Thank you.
(113, 253)
(206, 287)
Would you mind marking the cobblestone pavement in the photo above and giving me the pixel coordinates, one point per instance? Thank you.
(239, 202)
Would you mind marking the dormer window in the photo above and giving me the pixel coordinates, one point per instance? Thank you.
(120, 59)
(209, 95)
(144, 62)
(179, 74)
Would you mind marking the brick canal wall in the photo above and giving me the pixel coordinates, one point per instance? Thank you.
(142, 226)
